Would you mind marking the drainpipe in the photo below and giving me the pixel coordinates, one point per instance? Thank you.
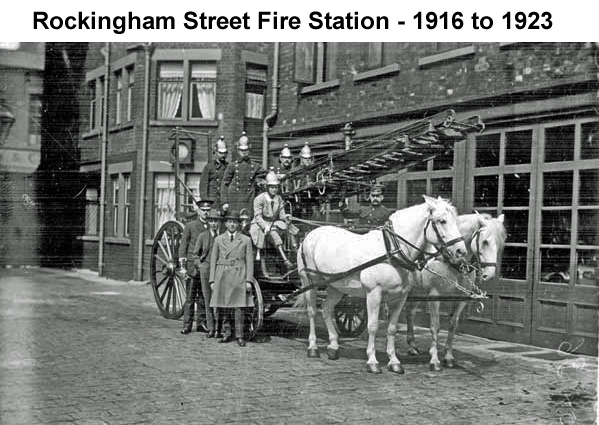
(104, 148)
(141, 211)
(271, 119)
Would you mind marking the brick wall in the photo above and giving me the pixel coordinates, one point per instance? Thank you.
(490, 70)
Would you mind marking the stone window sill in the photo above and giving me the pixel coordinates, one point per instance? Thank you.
(180, 123)
(318, 87)
(92, 133)
(88, 238)
(378, 72)
(117, 240)
(445, 56)
(120, 127)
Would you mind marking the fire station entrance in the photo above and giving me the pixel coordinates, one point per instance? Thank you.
(544, 177)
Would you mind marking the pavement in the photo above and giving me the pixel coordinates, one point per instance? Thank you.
(79, 349)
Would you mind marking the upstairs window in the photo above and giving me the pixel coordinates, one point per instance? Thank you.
(255, 90)
(315, 62)
(170, 90)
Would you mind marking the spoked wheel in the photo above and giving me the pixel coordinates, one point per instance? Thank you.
(270, 309)
(351, 316)
(168, 283)
(255, 314)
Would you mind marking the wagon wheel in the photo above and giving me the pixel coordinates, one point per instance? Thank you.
(255, 314)
(350, 316)
(168, 283)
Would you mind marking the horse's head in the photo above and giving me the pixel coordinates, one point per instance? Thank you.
(486, 244)
(442, 230)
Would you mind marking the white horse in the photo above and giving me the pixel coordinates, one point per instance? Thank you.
(337, 256)
(485, 237)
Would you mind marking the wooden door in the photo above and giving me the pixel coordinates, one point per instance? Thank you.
(566, 253)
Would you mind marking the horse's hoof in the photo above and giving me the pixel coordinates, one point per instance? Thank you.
(313, 353)
(413, 351)
(435, 367)
(449, 363)
(333, 354)
(396, 368)
(373, 368)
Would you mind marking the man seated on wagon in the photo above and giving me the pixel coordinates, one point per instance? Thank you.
(376, 214)
(270, 218)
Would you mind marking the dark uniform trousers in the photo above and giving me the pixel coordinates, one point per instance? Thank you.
(194, 288)
(193, 297)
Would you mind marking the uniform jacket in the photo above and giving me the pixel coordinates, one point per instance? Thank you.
(267, 212)
(211, 179)
(238, 187)
(231, 266)
(203, 248)
(190, 235)
(372, 215)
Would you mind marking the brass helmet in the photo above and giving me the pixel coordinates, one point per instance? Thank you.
(306, 152)
(244, 142)
(272, 179)
(285, 152)
(221, 146)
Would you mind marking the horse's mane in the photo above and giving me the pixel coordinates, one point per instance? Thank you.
(442, 201)
(497, 228)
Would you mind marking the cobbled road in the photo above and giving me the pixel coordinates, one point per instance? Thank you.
(78, 349)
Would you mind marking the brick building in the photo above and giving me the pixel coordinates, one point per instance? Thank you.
(21, 88)
(205, 90)
(537, 162)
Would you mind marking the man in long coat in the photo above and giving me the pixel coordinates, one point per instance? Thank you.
(231, 272)
(194, 289)
(238, 187)
(212, 175)
(201, 258)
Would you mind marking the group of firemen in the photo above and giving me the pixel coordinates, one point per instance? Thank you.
(217, 246)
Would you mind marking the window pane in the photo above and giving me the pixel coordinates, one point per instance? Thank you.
(192, 181)
(203, 71)
(254, 105)
(91, 211)
(559, 144)
(375, 55)
(202, 100)
(587, 267)
(588, 227)
(513, 263)
(556, 227)
(416, 188)
(487, 150)
(164, 199)
(555, 265)
(304, 62)
(420, 166)
(516, 190)
(485, 191)
(589, 146)
(127, 195)
(589, 187)
(516, 223)
(557, 188)
(330, 61)
(170, 90)
(518, 147)
(442, 187)
(443, 162)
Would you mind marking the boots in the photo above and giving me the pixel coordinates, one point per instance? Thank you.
(288, 264)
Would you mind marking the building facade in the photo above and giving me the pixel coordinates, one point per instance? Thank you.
(537, 162)
(21, 89)
(156, 93)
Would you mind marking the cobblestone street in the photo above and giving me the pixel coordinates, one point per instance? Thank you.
(78, 349)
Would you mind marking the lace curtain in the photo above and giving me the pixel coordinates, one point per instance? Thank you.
(164, 200)
(206, 97)
(254, 105)
(170, 99)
